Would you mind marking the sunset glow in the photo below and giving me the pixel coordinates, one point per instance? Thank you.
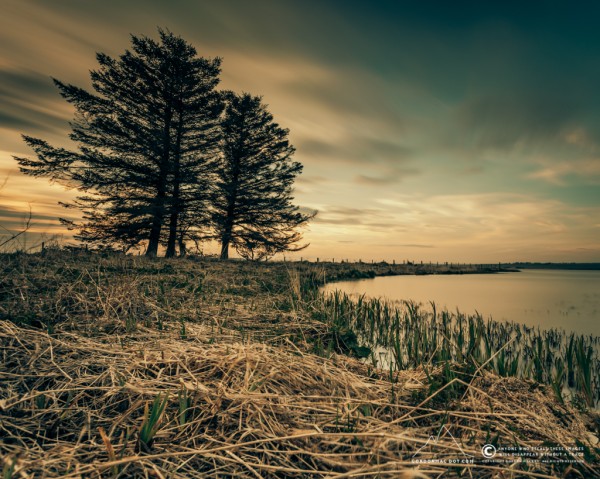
(426, 133)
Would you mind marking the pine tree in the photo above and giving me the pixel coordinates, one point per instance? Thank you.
(253, 210)
(197, 108)
(146, 138)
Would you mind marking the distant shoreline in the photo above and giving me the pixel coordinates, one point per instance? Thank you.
(342, 271)
(560, 266)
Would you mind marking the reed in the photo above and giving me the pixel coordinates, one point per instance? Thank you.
(151, 422)
(185, 402)
(112, 457)
(411, 335)
(558, 381)
(9, 468)
(584, 354)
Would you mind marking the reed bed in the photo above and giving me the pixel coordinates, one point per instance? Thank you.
(404, 335)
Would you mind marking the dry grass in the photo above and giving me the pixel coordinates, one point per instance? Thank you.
(244, 397)
(254, 411)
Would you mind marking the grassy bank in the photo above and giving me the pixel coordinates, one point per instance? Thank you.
(129, 367)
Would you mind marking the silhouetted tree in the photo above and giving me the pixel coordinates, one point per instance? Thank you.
(146, 138)
(197, 109)
(253, 210)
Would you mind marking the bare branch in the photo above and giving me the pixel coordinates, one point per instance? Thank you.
(23, 231)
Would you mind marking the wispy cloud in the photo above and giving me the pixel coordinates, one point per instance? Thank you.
(585, 171)
(505, 121)
(394, 176)
(31, 103)
(416, 127)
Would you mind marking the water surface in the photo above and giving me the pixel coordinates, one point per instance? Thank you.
(545, 298)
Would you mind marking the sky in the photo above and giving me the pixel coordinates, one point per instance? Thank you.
(429, 131)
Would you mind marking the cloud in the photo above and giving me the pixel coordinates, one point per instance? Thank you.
(356, 149)
(581, 137)
(339, 215)
(585, 171)
(503, 121)
(393, 177)
(465, 227)
(493, 217)
(354, 94)
(31, 103)
(13, 220)
(26, 84)
(15, 122)
(311, 180)
(457, 107)
(19, 192)
(359, 223)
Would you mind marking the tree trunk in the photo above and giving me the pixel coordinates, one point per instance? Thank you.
(228, 226)
(225, 247)
(170, 253)
(182, 247)
(154, 239)
(159, 207)
(157, 221)
(176, 200)
(173, 222)
(231, 211)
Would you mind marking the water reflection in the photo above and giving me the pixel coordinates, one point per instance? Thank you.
(544, 298)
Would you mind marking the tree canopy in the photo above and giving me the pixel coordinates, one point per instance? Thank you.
(253, 210)
(164, 158)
